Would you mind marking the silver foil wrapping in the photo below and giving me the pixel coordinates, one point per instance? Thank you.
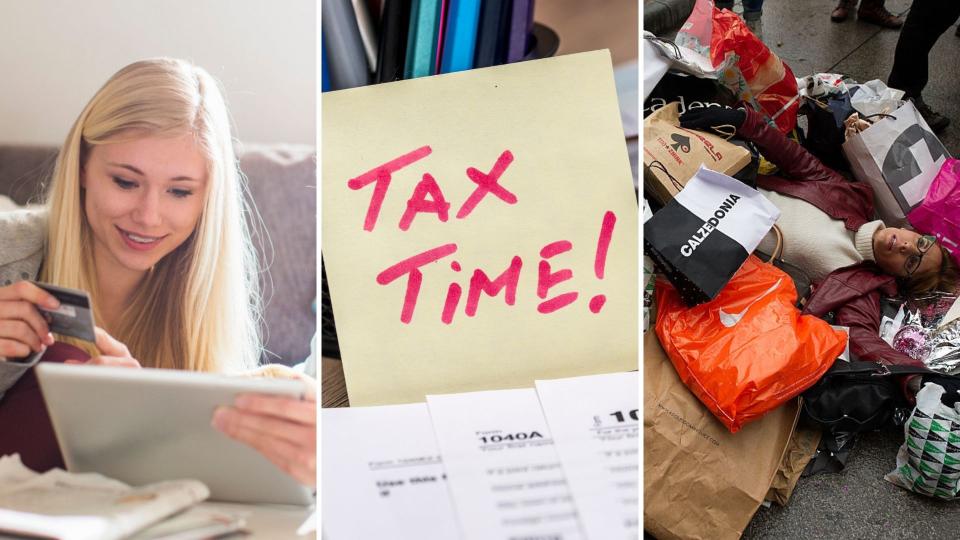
(942, 348)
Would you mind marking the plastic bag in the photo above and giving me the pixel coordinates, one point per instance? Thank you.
(654, 66)
(685, 60)
(928, 463)
(821, 85)
(939, 213)
(749, 350)
(759, 78)
(875, 97)
(926, 334)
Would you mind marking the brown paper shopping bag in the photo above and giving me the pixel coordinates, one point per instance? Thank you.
(672, 155)
(699, 480)
(802, 448)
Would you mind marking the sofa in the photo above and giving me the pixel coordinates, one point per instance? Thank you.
(282, 182)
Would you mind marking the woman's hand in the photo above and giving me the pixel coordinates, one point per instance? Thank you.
(112, 352)
(23, 329)
(283, 429)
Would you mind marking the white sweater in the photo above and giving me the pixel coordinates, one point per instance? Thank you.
(815, 242)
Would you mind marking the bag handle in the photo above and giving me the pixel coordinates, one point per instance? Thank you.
(726, 131)
(674, 46)
(881, 115)
(656, 164)
(778, 249)
(875, 368)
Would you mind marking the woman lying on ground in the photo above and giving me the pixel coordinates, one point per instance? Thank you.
(829, 233)
(146, 211)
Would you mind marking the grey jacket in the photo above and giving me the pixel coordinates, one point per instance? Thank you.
(22, 237)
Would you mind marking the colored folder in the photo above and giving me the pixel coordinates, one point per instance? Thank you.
(460, 39)
(368, 35)
(422, 38)
(324, 70)
(521, 24)
(492, 34)
(341, 39)
(394, 25)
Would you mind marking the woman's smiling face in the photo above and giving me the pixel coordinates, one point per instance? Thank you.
(143, 198)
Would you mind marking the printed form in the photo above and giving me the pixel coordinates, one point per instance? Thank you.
(382, 475)
(503, 469)
(595, 424)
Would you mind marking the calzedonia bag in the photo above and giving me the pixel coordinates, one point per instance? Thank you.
(702, 236)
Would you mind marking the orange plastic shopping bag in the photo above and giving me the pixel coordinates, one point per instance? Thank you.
(748, 350)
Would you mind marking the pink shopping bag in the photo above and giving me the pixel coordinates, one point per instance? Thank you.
(939, 213)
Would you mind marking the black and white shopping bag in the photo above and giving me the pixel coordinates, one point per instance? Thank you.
(898, 156)
(702, 236)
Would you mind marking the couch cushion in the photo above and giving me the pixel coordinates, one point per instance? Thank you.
(24, 170)
(283, 182)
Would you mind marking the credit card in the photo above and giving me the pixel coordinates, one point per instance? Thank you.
(74, 317)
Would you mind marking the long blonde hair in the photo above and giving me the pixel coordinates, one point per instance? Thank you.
(198, 308)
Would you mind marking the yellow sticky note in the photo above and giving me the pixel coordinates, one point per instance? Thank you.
(480, 229)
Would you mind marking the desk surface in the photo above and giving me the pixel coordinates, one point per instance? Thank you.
(268, 522)
(333, 387)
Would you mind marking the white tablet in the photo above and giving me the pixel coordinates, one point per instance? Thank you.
(148, 425)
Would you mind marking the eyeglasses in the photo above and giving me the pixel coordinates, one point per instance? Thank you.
(924, 243)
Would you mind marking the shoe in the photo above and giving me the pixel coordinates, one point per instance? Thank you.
(935, 120)
(876, 14)
(842, 11)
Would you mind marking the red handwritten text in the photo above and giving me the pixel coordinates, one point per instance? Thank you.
(418, 203)
(428, 198)
(507, 282)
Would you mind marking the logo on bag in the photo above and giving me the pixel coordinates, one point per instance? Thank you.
(731, 319)
(900, 165)
(681, 143)
(708, 227)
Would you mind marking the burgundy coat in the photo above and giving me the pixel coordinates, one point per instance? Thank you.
(25, 427)
(804, 177)
(852, 293)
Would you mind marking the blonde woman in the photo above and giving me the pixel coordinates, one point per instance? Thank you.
(146, 211)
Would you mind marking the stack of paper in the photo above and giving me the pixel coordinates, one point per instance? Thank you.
(68, 506)
(559, 461)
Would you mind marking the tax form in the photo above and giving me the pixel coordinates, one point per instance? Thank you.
(596, 428)
(502, 467)
(382, 475)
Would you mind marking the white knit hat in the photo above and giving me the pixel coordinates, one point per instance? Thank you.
(864, 239)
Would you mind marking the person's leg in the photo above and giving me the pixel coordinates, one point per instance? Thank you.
(874, 11)
(724, 4)
(927, 20)
(752, 14)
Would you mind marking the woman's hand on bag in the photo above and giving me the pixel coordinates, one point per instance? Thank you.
(719, 120)
(23, 329)
(112, 352)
